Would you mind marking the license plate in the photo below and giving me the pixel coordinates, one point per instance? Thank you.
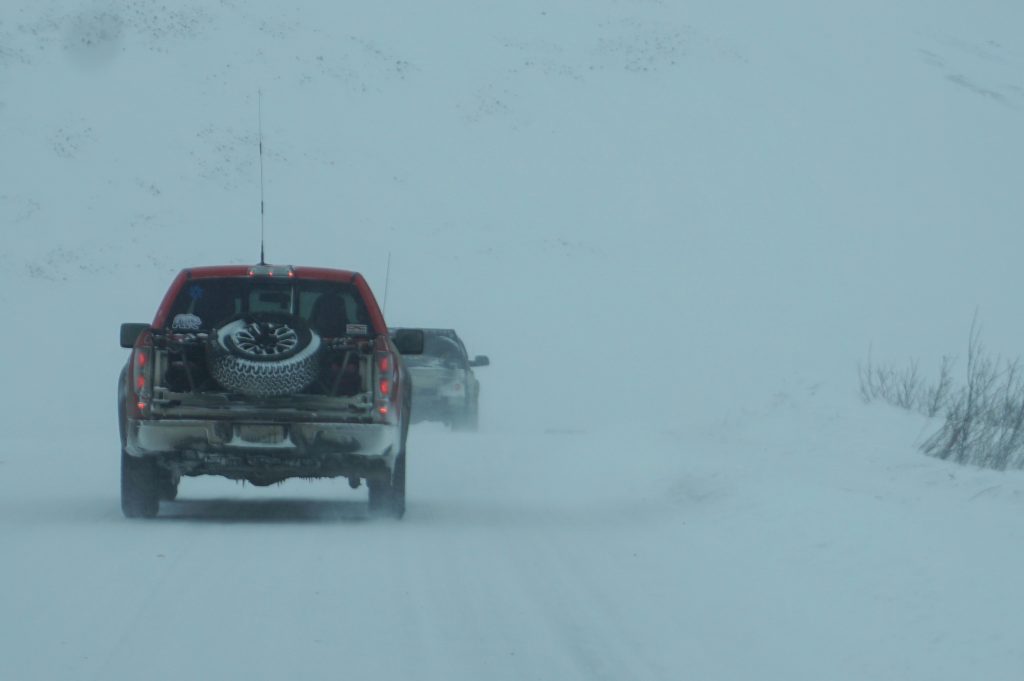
(261, 435)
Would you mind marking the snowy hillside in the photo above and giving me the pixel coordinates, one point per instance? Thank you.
(675, 228)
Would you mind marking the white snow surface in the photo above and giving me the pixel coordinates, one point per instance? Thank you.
(675, 228)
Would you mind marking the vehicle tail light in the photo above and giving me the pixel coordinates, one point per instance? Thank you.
(385, 386)
(142, 374)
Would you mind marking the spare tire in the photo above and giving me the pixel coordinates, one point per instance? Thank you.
(264, 354)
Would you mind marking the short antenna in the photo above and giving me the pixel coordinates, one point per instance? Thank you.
(387, 282)
(260, 116)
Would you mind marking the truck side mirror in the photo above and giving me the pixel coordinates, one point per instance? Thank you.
(408, 341)
(130, 333)
(480, 361)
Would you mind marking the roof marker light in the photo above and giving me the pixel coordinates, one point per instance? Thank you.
(271, 271)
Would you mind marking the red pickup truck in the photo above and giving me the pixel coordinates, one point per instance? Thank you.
(264, 373)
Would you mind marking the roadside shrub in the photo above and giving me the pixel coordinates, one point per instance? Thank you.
(906, 388)
(983, 419)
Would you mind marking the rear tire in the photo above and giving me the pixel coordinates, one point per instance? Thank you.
(140, 487)
(468, 419)
(387, 497)
(168, 484)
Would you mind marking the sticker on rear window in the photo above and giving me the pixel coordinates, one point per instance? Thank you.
(355, 329)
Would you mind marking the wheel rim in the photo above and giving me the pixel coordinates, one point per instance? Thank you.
(266, 339)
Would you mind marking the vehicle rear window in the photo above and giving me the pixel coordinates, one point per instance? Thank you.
(438, 350)
(332, 308)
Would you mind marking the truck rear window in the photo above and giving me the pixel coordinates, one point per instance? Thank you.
(332, 308)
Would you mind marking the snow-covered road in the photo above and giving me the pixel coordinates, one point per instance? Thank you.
(737, 551)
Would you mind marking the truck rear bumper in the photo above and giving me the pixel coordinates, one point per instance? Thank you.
(431, 405)
(242, 450)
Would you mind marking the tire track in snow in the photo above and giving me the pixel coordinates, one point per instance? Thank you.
(136, 620)
(589, 611)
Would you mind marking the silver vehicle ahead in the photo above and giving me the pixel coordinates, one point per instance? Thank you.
(444, 387)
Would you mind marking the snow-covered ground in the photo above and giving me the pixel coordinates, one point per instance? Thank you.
(675, 228)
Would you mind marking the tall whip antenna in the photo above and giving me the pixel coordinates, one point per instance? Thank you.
(260, 115)
(387, 283)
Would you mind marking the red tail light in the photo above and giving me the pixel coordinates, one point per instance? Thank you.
(385, 384)
(142, 373)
